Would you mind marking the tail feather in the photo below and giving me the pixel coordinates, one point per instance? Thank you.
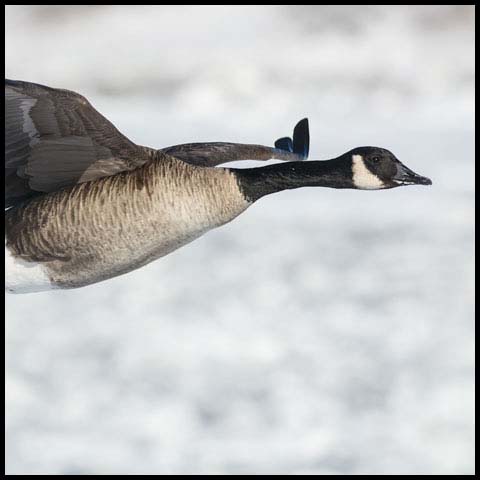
(301, 140)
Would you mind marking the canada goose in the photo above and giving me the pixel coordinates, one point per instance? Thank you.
(84, 203)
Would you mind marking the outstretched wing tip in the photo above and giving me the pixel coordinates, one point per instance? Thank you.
(301, 138)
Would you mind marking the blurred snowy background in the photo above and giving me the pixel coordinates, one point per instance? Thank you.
(322, 331)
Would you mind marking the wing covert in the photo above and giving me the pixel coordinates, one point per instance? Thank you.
(55, 138)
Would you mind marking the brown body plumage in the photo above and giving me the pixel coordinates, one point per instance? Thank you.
(106, 227)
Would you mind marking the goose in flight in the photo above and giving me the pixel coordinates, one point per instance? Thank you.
(83, 203)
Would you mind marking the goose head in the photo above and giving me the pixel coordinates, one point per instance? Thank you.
(375, 168)
(363, 168)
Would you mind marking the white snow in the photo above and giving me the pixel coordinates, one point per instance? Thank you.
(323, 331)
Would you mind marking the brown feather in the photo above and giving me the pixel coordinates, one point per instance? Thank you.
(55, 138)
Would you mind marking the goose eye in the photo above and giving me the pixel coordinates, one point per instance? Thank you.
(375, 159)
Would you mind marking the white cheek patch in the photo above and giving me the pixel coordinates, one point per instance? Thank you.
(25, 277)
(362, 177)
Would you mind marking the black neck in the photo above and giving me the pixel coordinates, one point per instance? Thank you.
(258, 182)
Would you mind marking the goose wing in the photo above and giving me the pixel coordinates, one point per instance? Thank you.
(55, 138)
(210, 154)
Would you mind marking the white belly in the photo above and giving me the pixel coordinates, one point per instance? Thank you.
(24, 277)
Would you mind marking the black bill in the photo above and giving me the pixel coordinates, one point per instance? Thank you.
(405, 176)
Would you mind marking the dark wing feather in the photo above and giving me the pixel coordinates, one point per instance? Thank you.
(55, 138)
(210, 154)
